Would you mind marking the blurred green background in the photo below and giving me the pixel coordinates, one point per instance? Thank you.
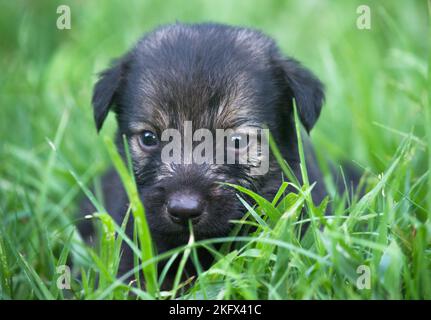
(376, 85)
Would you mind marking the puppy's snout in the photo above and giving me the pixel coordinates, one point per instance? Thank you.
(182, 206)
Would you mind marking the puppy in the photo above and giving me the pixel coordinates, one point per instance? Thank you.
(214, 77)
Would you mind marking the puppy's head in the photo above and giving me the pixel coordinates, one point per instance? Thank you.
(212, 77)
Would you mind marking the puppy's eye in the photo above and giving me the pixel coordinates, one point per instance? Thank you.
(148, 140)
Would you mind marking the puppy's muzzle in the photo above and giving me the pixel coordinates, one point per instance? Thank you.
(185, 205)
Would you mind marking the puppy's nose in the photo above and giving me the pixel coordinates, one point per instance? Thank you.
(182, 206)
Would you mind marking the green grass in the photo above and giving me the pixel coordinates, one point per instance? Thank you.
(377, 116)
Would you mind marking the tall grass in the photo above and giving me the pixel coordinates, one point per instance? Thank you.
(376, 116)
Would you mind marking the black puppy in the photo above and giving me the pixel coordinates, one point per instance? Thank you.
(217, 77)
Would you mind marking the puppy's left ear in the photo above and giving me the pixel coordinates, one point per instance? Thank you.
(307, 90)
(105, 89)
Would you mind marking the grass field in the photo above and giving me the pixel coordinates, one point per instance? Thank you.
(377, 116)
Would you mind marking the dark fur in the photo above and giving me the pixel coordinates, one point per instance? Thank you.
(187, 72)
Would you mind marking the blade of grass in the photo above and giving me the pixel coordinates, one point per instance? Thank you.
(138, 211)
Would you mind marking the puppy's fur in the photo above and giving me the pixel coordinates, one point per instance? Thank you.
(216, 76)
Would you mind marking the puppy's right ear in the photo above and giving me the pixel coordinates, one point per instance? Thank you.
(104, 91)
